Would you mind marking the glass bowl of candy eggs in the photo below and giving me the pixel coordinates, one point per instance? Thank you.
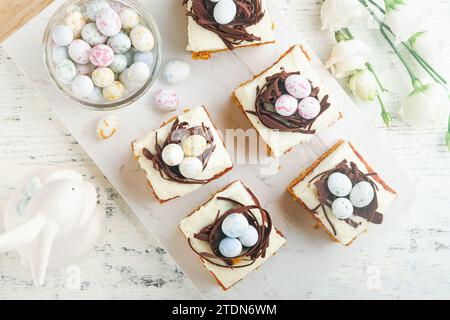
(104, 54)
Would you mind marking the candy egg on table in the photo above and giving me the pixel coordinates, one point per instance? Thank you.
(79, 51)
(176, 71)
(298, 86)
(114, 91)
(339, 184)
(108, 22)
(91, 35)
(250, 237)
(235, 225)
(60, 53)
(146, 57)
(65, 71)
(362, 194)
(101, 55)
(166, 100)
(107, 126)
(194, 146)
(119, 63)
(309, 108)
(172, 154)
(230, 247)
(286, 105)
(142, 38)
(103, 77)
(82, 86)
(120, 43)
(129, 18)
(138, 72)
(342, 208)
(191, 167)
(85, 69)
(62, 35)
(94, 7)
(225, 11)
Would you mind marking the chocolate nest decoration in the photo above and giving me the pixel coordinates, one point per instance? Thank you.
(265, 106)
(178, 132)
(249, 12)
(326, 198)
(213, 235)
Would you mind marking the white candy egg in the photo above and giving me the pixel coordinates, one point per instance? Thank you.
(166, 100)
(194, 145)
(85, 69)
(309, 108)
(60, 53)
(298, 86)
(146, 57)
(176, 71)
(139, 72)
(191, 167)
(62, 35)
(114, 91)
(75, 21)
(97, 95)
(225, 11)
(79, 51)
(120, 43)
(235, 225)
(286, 105)
(94, 7)
(119, 63)
(82, 86)
(65, 71)
(342, 208)
(91, 35)
(103, 77)
(107, 126)
(172, 154)
(250, 237)
(362, 194)
(339, 184)
(129, 18)
(230, 248)
(142, 38)
(108, 22)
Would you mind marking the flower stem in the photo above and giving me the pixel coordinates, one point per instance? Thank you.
(371, 69)
(386, 116)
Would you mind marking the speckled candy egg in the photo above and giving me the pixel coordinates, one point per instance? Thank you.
(91, 35)
(75, 21)
(166, 100)
(62, 35)
(309, 108)
(342, 208)
(234, 225)
(97, 95)
(362, 194)
(65, 71)
(225, 11)
(172, 154)
(129, 18)
(119, 63)
(101, 55)
(176, 71)
(286, 105)
(194, 146)
(130, 56)
(230, 248)
(60, 53)
(142, 38)
(114, 91)
(107, 126)
(94, 7)
(298, 86)
(191, 167)
(250, 237)
(82, 86)
(146, 57)
(120, 43)
(103, 77)
(339, 184)
(138, 72)
(79, 51)
(85, 69)
(108, 22)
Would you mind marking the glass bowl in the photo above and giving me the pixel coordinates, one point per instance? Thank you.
(131, 95)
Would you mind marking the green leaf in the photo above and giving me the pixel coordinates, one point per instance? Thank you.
(393, 4)
(414, 37)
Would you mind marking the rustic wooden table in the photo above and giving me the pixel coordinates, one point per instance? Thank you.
(128, 263)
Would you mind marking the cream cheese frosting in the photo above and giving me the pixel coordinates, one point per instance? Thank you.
(164, 189)
(206, 215)
(281, 142)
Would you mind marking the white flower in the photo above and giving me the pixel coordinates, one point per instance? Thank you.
(430, 46)
(406, 17)
(363, 85)
(347, 57)
(426, 106)
(338, 14)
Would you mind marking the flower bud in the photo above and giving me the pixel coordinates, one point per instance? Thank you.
(363, 85)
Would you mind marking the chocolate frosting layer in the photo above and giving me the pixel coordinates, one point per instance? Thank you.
(265, 106)
(178, 132)
(249, 12)
(326, 198)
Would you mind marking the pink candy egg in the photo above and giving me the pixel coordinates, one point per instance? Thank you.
(79, 51)
(108, 22)
(309, 108)
(298, 86)
(166, 100)
(286, 105)
(101, 55)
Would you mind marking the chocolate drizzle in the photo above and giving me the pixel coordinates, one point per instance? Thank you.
(326, 198)
(213, 234)
(265, 106)
(249, 12)
(178, 132)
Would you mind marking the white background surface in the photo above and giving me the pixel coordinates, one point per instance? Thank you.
(414, 265)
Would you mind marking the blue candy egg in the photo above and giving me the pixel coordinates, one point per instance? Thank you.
(234, 225)
(230, 247)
